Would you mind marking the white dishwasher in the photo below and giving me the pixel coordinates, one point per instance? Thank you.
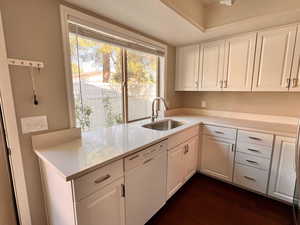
(145, 183)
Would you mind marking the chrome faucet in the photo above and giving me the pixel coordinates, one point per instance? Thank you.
(155, 112)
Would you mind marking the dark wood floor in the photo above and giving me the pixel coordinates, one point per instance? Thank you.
(205, 201)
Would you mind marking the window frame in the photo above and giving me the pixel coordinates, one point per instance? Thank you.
(104, 26)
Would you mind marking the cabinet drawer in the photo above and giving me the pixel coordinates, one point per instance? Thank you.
(91, 182)
(254, 161)
(256, 150)
(221, 132)
(250, 177)
(183, 136)
(255, 138)
(136, 159)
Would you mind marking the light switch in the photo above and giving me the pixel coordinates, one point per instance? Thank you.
(34, 124)
(203, 104)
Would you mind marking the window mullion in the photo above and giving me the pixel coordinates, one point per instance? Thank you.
(124, 86)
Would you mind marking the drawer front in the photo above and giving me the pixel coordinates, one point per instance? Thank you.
(136, 159)
(97, 179)
(256, 150)
(222, 132)
(254, 161)
(252, 178)
(182, 137)
(255, 138)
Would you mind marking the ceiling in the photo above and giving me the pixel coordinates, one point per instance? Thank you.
(148, 16)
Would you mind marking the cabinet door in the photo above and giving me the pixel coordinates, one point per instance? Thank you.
(217, 158)
(239, 63)
(187, 61)
(283, 175)
(191, 157)
(105, 206)
(273, 61)
(211, 66)
(295, 78)
(176, 169)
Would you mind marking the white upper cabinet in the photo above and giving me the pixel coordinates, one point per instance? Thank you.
(211, 66)
(283, 175)
(273, 62)
(187, 61)
(295, 78)
(239, 63)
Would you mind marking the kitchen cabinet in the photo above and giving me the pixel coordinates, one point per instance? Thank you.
(211, 66)
(295, 77)
(191, 158)
(105, 205)
(283, 172)
(187, 64)
(273, 61)
(239, 63)
(176, 170)
(182, 164)
(217, 157)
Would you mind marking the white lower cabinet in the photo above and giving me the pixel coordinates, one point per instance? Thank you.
(106, 206)
(217, 157)
(182, 164)
(283, 175)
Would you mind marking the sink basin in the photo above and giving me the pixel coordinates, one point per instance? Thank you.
(163, 125)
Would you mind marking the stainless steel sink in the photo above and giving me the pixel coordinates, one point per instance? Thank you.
(163, 125)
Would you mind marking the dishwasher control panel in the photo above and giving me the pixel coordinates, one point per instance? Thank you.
(145, 155)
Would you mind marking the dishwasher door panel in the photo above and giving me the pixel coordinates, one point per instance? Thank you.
(146, 189)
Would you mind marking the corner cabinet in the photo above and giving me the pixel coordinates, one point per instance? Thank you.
(187, 65)
(274, 56)
(283, 170)
(217, 157)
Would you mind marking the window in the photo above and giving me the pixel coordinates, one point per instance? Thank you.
(112, 83)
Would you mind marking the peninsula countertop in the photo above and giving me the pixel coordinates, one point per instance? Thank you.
(102, 146)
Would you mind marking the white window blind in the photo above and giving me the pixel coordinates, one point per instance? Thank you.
(86, 31)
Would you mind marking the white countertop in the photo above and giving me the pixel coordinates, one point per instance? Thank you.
(102, 146)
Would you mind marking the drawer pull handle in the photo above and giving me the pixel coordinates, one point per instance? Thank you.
(253, 150)
(134, 157)
(255, 138)
(249, 178)
(219, 132)
(148, 160)
(102, 179)
(253, 162)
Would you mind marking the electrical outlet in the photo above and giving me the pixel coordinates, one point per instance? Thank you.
(34, 124)
(203, 104)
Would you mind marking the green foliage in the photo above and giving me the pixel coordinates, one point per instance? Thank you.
(83, 114)
(111, 118)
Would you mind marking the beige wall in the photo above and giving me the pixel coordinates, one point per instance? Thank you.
(216, 14)
(284, 104)
(32, 30)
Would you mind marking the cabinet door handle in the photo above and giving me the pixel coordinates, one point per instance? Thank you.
(250, 161)
(232, 147)
(295, 82)
(255, 138)
(249, 178)
(225, 83)
(252, 150)
(219, 132)
(186, 149)
(196, 84)
(148, 160)
(288, 82)
(221, 84)
(102, 179)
